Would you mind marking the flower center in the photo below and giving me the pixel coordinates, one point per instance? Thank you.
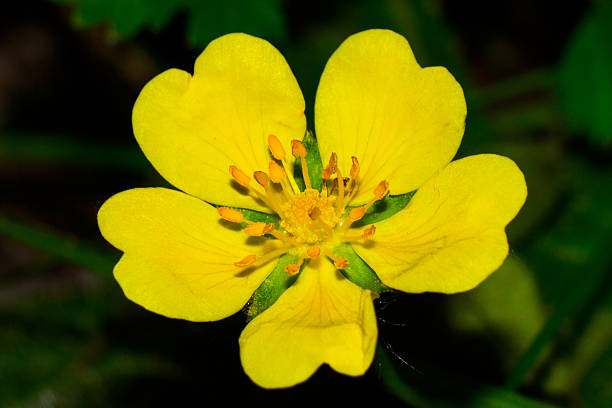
(309, 216)
(311, 221)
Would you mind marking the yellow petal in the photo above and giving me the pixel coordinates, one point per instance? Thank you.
(322, 318)
(451, 235)
(401, 121)
(192, 128)
(178, 254)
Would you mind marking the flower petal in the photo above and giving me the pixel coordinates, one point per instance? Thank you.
(451, 235)
(401, 121)
(322, 318)
(178, 256)
(193, 128)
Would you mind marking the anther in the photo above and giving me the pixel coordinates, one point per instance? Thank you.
(262, 178)
(313, 252)
(369, 232)
(381, 189)
(331, 168)
(276, 147)
(357, 213)
(230, 214)
(354, 168)
(298, 149)
(277, 174)
(246, 261)
(239, 176)
(258, 229)
(292, 269)
(341, 262)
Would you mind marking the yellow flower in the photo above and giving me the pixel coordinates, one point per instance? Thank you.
(385, 124)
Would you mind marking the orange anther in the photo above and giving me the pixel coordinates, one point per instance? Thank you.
(331, 167)
(230, 214)
(298, 149)
(357, 213)
(276, 147)
(239, 176)
(369, 232)
(354, 168)
(381, 189)
(313, 252)
(246, 261)
(341, 262)
(277, 174)
(261, 178)
(258, 229)
(292, 269)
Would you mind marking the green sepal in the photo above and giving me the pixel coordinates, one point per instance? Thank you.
(273, 287)
(383, 209)
(313, 162)
(257, 216)
(358, 271)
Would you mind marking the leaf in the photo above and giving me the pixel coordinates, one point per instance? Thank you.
(510, 318)
(585, 81)
(207, 20)
(572, 260)
(58, 245)
(432, 390)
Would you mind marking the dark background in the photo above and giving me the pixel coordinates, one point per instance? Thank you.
(538, 82)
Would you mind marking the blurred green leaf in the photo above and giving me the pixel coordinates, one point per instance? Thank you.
(431, 390)
(510, 318)
(58, 245)
(596, 387)
(572, 259)
(24, 148)
(207, 19)
(585, 80)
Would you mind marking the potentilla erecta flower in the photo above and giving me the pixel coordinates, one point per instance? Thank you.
(231, 136)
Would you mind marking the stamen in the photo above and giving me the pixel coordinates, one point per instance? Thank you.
(262, 178)
(369, 232)
(276, 147)
(278, 151)
(357, 213)
(246, 261)
(293, 269)
(381, 190)
(355, 168)
(230, 214)
(255, 261)
(245, 181)
(282, 237)
(299, 151)
(258, 229)
(331, 167)
(277, 174)
(239, 176)
(340, 262)
(366, 234)
(313, 252)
